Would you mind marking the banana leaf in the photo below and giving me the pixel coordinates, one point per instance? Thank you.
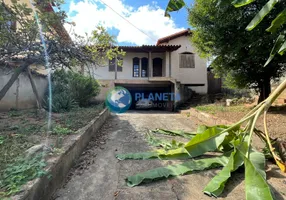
(179, 153)
(202, 128)
(209, 140)
(239, 3)
(174, 5)
(256, 186)
(175, 133)
(282, 49)
(216, 186)
(176, 170)
(261, 14)
(277, 22)
(165, 144)
(276, 48)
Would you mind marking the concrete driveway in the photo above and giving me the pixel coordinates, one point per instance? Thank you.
(98, 175)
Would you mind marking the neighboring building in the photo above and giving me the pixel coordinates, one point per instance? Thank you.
(20, 95)
(170, 66)
(58, 28)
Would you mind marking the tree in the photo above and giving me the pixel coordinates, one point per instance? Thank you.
(36, 36)
(239, 55)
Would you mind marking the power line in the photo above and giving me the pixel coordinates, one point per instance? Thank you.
(126, 20)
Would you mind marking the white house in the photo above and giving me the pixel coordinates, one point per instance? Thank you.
(169, 66)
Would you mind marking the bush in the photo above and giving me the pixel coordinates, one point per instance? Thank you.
(83, 88)
(63, 102)
(70, 90)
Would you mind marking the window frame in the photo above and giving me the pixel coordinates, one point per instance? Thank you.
(133, 67)
(111, 66)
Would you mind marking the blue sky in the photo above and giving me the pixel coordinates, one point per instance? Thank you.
(146, 15)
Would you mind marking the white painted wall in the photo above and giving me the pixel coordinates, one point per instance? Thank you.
(197, 75)
(103, 73)
(20, 95)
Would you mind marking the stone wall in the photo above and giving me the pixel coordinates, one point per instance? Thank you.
(20, 95)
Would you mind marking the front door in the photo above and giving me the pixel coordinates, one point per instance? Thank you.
(157, 67)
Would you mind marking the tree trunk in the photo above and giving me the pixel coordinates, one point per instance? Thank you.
(13, 78)
(35, 91)
(264, 90)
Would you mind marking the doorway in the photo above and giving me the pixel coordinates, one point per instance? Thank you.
(157, 67)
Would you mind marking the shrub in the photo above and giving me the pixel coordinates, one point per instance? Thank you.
(71, 89)
(83, 88)
(63, 102)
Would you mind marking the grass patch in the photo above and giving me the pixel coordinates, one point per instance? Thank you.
(214, 108)
(20, 172)
(11, 147)
(79, 117)
(20, 130)
(59, 130)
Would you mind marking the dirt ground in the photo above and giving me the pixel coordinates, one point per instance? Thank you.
(276, 119)
(20, 130)
(99, 175)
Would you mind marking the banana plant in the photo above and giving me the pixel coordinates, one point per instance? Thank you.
(234, 142)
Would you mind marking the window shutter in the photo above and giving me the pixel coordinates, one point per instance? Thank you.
(188, 64)
(191, 61)
(187, 60)
(183, 61)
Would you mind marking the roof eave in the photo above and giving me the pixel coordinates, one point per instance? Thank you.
(150, 48)
(166, 39)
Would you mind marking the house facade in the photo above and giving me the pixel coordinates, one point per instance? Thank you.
(170, 66)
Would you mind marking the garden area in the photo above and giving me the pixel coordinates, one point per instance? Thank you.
(25, 139)
(276, 117)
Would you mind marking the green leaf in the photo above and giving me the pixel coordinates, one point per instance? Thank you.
(137, 156)
(179, 153)
(261, 14)
(175, 133)
(256, 186)
(216, 185)
(277, 22)
(202, 128)
(167, 145)
(206, 141)
(227, 144)
(174, 5)
(276, 48)
(239, 3)
(282, 49)
(176, 170)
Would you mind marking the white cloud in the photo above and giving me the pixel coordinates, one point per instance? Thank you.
(87, 14)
